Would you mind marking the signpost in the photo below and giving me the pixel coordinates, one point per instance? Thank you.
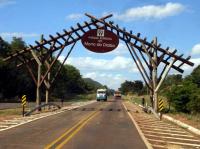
(160, 107)
(100, 40)
(23, 104)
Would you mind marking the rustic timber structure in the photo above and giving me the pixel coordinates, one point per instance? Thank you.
(147, 56)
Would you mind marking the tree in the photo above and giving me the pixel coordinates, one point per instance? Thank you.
(138, 86)
(184, 96)
(4, 48)
(134, 87)
(195, 75)
(69, 81)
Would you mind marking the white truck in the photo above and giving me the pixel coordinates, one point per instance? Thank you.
(101, 94)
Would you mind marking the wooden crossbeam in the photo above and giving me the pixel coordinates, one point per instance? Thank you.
(51, 65)
(140, 63)
(53, 39)
(60, 67)
(140, 70)
(160, 58)
(28, 68)
(143, 41)
(81, 28)
(142, 49)
(61, 36)
(77, 34)
(183, 62)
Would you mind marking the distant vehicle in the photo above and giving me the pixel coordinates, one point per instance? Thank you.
(101, 94)
(117, 94)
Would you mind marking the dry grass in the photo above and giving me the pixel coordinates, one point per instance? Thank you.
(16, 111)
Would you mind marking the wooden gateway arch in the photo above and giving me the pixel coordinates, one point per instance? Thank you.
(148, 56)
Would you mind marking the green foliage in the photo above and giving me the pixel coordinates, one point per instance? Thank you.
(169, 81)
(195, 76)
(4, 48)
(68, 81)
(92, 85)
(181, 95)
(133, 87)
(17, 81)
(184, 95)
(17, 44)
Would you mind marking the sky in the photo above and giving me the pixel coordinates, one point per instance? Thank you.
(175, 23)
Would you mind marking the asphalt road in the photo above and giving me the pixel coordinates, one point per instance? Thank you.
(101, 125)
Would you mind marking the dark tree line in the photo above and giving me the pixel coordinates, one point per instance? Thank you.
(16, 81)
(135, 87)
(183, 93)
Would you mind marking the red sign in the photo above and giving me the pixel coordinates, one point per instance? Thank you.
(100, 40)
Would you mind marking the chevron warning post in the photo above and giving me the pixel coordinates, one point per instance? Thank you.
(160, 105)
(23, 100)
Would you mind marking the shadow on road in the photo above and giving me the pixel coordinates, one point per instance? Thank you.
(101, 109)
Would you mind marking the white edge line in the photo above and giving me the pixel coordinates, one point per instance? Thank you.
(57, 112)
(148, 145)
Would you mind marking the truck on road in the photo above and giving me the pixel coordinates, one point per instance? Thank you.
(101, 94)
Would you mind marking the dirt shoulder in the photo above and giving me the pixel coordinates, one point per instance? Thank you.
(192, 120)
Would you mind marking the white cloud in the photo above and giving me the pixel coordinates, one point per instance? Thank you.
(18, 34)
(120, 50)
(150, 12)
(6, 2)
(118, 63)
(109, 79)
(74, 16)
(196, 49)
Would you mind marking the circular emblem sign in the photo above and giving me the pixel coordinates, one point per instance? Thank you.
(100, 40)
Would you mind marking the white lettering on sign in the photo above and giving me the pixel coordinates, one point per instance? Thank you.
(90, 44)
(108, 45)
(93, 37)
(100, 40)
(100, 33)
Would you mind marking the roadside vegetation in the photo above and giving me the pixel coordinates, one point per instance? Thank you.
(181, 96)
(14, 82)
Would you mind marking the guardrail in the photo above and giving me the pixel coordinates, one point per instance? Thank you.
(41, 106)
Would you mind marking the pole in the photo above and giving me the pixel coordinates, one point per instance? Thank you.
(38, 86)
(23, 110)
(47, 89)
(155, 93)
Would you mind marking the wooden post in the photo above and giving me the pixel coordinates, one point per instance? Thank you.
(47, 88)
(165, 74)
(154, 77)
(38, 101)
(38, 78)
(150, 82)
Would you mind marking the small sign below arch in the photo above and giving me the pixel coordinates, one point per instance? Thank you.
(100, 40)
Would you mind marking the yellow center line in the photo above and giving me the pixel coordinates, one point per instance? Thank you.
(68, 131)
(76, 131)
(72, 128)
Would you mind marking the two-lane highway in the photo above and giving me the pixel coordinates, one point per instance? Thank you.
(100, 125)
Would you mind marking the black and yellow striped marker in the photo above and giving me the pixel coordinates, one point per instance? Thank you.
(24, 100)
(160, 105)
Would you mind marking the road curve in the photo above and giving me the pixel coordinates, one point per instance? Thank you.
(101, 125)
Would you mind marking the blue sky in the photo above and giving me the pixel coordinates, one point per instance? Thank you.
(175, 23)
